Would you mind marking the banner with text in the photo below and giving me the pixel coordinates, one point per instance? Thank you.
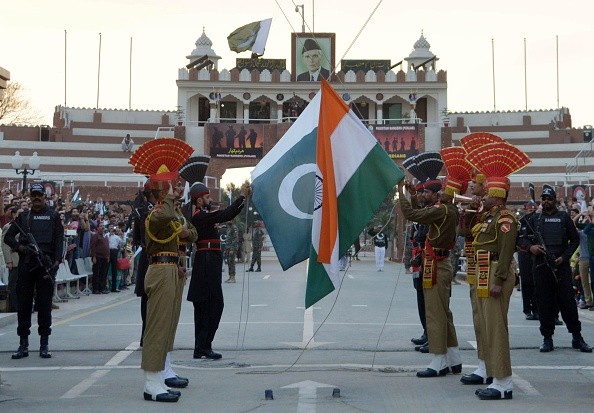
(234, 140)
(399, 141)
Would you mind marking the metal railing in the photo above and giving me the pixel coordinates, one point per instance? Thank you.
(579, 160)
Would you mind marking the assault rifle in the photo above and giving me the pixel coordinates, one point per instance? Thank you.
(549, 258)
(41, 260)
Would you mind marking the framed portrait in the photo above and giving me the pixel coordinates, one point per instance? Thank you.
(312, 56)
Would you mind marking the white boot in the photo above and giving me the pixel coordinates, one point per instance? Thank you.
(154, 389)
(454, 360)
(170, 377)
(437, 367)
(168, 371)
(481, 369)
(502, 384)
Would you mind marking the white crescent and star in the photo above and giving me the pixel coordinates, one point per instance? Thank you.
(287, 186)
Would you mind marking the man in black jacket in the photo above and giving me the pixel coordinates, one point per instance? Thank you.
(551, 237)
(205, 290)
(36, 268)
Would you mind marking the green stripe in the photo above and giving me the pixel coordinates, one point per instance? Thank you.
(363, 194)
(319, 284)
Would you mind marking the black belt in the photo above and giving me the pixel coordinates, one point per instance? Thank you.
(494, 256)
(164, 259)
(208, 245)
(441, 252)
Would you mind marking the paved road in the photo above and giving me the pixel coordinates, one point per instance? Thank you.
(361, 346)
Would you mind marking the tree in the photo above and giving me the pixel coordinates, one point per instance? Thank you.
(15, 109)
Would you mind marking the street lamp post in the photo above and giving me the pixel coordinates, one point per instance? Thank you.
(19, 164)
(302, 7)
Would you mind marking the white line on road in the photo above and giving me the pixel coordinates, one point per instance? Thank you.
(266, 277)
(359, 305)
(525, 386)
(258, 305)
(350, 276)
(84, 385)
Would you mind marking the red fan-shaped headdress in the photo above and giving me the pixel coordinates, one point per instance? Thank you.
(459, 170)
(498, 160)
(474, 141)
(160, 159)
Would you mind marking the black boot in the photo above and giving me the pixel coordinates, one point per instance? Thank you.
(250, 269)
(578, 343)
(23, 350)
(547, 345)
(44, 352)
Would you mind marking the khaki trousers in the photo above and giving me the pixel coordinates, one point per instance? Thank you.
(477, 321)
(440, 322)
(163, 288)
(496, 349)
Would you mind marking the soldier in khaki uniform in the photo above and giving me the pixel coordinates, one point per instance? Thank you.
(494, 244)
(442, 219)
(165, 229)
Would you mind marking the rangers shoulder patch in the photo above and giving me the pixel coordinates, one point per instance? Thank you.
(505, 228)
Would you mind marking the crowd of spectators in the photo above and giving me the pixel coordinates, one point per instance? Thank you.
(81, 220)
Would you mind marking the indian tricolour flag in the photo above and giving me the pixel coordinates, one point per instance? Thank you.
(319, 186)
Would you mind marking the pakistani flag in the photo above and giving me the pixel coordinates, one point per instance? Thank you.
(284, 187)
(343, 175)
(252, 37)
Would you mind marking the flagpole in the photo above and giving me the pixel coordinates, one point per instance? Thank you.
(525, 78)
(65, 67)
(98, 72)
(313, 16)
(493, 58)
(557, 47)
(130, 90)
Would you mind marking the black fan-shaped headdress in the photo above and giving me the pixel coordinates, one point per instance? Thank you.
(194, 170)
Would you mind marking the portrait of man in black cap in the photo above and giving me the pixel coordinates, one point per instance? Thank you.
(313, 57)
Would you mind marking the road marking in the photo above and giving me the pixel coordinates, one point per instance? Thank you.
(258, 305)
(525, 386)
(307, 394)
(308, 332)
(86, 313)
(266, 277)
(350, 276)
(84, 385)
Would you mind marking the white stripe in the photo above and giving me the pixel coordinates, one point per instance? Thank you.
(525, 386)
(349, 133)
(262, 36)
(84, 385)
(305, 123)
(266, 277)
(118, 358)
(358, 305)
(258, 305)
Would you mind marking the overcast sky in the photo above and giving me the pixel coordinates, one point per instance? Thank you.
(164, 33)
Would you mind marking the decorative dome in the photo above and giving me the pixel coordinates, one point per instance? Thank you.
(203, 46)
(421, 49)
(421, 55)
(422, 43)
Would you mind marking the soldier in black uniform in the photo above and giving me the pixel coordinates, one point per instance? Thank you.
(529, 305)
(143, 204)
(35, 279)
(552, 270)
(205, 290)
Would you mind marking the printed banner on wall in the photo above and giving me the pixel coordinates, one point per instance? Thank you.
(399, 141)
(234, 140)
